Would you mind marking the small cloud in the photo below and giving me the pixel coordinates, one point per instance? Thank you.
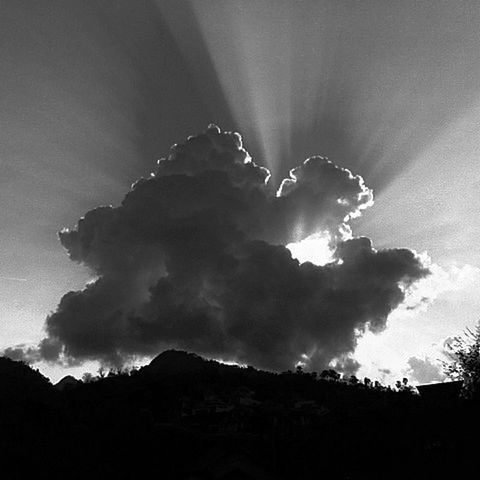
(442, 279)
(425, 370)
(23, 353)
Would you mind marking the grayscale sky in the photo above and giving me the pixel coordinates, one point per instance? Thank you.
(93, 93)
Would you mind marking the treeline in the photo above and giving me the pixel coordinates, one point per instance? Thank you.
(183, 417)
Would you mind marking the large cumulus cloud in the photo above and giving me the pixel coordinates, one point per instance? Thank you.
(195, 258)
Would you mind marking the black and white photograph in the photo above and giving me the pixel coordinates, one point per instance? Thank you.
(239, 239)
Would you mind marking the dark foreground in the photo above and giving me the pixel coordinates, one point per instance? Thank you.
(182, 417)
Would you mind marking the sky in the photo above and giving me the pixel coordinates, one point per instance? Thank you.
(93, 93)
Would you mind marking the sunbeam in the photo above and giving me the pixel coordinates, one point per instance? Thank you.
(94, 93)
(304, 78)
(436, 197)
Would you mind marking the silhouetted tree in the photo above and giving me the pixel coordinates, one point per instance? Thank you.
(464, 354)
(88, 377)
(404, 387)
(353, 380)
(377, 385)
(330, 375)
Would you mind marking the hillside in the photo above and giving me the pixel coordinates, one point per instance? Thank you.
(188, 418)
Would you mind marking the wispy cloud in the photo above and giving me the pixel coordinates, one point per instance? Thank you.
(13, 279)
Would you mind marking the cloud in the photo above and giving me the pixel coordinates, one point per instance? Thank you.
(48, 349)
(320, 193)
(195, 258)
(443, 279)
(22, 353)
(425, 370)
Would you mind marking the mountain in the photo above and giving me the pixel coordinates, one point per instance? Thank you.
(185, 417)
(174, 362)
(67, 383)
(20, 382)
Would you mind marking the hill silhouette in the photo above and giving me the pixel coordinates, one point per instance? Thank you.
(174, 362)
(67, 382)
(22, 383)
(185, 417)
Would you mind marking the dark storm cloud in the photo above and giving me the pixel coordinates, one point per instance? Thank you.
(194, 258)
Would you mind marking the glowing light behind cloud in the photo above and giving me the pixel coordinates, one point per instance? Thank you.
(315, 249)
